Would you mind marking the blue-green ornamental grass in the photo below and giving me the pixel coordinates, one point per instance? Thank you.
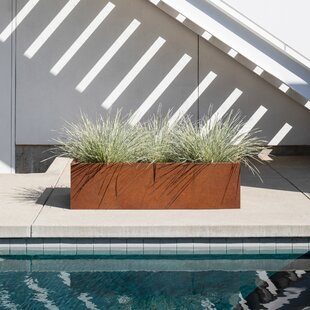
(105, 140)
(215, 140)
(112, 139)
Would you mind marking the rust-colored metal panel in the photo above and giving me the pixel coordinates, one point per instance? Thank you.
(155, 186)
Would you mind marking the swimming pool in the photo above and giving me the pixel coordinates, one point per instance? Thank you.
(197, 282)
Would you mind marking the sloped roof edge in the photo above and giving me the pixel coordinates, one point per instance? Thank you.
(242, 59)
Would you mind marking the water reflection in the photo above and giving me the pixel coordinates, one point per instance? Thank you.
(282, 290)
(222, 283)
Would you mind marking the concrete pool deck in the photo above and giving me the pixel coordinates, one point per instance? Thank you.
(36, 206)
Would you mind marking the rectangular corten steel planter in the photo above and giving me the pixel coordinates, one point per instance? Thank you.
(155, 186)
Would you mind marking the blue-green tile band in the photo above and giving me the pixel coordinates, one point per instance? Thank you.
(164, 246)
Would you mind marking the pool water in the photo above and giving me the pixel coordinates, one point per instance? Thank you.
(275, 282)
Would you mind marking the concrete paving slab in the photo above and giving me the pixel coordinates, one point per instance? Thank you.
(296, 170)
(272, 208)
(22, 197)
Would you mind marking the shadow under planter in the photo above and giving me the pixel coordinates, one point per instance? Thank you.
(155, 186)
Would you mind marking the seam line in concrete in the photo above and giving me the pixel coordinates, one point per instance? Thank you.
(285, 178)
(47, 197)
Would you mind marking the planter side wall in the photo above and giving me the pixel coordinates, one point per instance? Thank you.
(155, 186)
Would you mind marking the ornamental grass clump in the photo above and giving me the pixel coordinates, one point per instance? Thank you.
(113, 139)
(109, 139)
(158, 144)
(212, 140)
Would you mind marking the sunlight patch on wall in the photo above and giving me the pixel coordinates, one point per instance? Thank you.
(249, 125)
(160, 88)
(108, 55)
(281, 134)
(207, 35)
(51, 28)
(181, 18)
(258, 70)
(22, 14)
(74, 48)
(283, 87)
(223, 109)
(132, 74)
(232, 53)
(192, 98)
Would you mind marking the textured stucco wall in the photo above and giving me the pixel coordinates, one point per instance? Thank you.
(45, 101)
(256, 92)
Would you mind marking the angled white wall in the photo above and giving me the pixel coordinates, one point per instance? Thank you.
(271, 108)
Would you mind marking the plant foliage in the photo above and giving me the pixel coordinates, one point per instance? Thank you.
(215, 140)
(106, 140)
(114, 139)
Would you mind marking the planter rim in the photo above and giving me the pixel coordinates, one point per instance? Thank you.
(75, 162)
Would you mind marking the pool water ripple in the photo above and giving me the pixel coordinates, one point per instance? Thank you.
(35, 283)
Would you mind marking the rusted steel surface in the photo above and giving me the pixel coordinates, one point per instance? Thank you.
(155, 186)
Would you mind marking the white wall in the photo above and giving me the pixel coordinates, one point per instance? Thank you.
(6, 104)
(288, 20)
(45, 101)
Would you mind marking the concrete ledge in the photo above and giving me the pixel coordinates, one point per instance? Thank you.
(58, 165)
(167, 231)
(17, 231)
